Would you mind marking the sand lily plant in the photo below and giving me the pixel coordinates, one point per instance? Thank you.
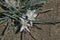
(25, 25)
(20, 15)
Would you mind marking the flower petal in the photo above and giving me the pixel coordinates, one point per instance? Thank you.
(22, 28)
(35, 15)
(31, 14)
(31, 23)
(22, 20)
(27, 29)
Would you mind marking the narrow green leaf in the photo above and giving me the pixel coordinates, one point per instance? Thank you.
(42, 21)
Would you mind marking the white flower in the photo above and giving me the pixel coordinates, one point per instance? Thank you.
(31, 14)
(25, 25)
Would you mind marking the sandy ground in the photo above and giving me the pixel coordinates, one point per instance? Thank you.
(49, 31)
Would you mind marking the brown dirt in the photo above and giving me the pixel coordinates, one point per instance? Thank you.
(49, 31)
